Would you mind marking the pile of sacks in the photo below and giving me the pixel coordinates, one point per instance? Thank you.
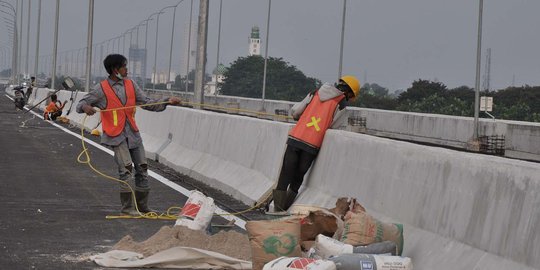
(342, 238)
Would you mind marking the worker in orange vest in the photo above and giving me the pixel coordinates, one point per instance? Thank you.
(54, 109)
(120, 130)
(317, 112)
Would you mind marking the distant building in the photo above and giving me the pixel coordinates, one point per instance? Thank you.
(213, 87)
(254, 42)
(161, 77)
(137, 63)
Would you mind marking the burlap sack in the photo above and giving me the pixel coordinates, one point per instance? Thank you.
(361, 229)
(273, 239)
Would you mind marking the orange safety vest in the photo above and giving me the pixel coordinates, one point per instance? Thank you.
(51, 107)
(114, 121)
(315, 120)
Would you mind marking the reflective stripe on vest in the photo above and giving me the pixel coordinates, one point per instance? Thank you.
(114, 121)
(315, 120)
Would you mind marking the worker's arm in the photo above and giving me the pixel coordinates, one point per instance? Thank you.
(142, 98)
(298, 108)
(340, 115)
(94, 98)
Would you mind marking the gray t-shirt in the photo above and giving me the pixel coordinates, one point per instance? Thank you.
(96, 98)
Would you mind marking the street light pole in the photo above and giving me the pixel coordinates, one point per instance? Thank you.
(28, 38)
(189, 46)
(15, 39)
(172, 39)
(55, 49)
(218, 43)
(266, 53)
(37, 40)
(19, 43)
(198, 93)
(478, 60)
(155, 54)
(342, 38)
(89, 38)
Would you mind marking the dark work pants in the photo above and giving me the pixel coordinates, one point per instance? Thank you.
(296, 163)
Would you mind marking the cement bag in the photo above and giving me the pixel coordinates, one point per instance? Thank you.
(197, 211)
(273, 239)
(285, 263)
(371, 262)
(319, 222)
(326, 247)
(361, 229)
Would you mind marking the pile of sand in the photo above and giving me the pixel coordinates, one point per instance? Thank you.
(230, 243)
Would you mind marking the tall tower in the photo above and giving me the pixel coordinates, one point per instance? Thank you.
(254, 42)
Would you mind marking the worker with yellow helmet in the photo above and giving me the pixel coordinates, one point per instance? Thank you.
(316, 113)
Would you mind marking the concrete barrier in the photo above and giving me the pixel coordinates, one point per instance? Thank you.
(523, 141)
(445, 130)
(453, 131)
(488, 203)
(238, 155)
(460, 210)
(155, 129)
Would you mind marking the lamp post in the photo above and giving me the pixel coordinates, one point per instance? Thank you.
(342, 38)
(172, 39)
(155, 48)
(189, 46)
(36, 60)
(478, 60)
(218, 42)
(15, 38)
(266, 53)
(89, 38)
(55, 49)
(19, 43)
(145, 51)
(28, 38)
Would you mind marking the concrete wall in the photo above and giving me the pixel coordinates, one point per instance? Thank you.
(460, 210)
(437, 129)
(239, 155)
(487, 203)
(522, 138)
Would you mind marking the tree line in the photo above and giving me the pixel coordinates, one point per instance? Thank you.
(285, 82)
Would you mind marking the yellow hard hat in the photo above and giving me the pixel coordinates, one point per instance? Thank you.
(353, 83)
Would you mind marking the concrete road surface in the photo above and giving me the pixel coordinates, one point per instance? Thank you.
(53, 208)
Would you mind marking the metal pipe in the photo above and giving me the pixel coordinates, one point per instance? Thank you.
(55, 48)
(266, 53)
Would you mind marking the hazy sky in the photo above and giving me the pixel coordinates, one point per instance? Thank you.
(392, 43)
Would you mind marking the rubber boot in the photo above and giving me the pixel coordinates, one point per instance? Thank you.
(127, 204)
(289, 200)
(142, 201)
(279, 197)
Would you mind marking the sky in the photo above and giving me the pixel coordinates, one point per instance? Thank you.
(388, 42)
